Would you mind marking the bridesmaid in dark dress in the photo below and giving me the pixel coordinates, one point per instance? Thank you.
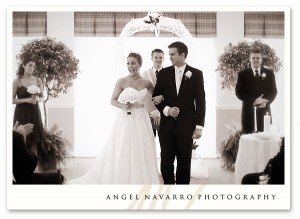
(27, 108)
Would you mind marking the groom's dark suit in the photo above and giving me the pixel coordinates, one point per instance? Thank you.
(176, 134)
(248, 90)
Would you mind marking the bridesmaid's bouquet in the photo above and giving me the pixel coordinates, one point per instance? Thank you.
(33, 90)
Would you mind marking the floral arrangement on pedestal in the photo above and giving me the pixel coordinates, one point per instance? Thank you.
(236, 58)
(230, 146)
(55, 63)
(55, 149)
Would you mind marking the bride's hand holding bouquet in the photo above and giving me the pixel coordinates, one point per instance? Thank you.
(129, 106)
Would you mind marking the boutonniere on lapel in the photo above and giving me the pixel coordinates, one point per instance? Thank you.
(263, 76)
(188, 75)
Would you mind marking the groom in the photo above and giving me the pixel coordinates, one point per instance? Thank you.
(183, 114)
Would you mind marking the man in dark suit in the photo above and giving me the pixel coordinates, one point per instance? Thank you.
(183, 114)
(256, 87)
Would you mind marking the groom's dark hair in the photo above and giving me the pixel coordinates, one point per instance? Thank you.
(180, 46)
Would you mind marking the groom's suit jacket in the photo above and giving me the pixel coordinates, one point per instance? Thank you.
(190, 99)
(247, 90)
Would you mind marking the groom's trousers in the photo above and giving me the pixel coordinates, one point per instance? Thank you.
(175, 145)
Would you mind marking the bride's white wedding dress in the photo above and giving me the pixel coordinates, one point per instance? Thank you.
(129, 156)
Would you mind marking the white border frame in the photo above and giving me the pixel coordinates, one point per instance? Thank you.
(95, 196)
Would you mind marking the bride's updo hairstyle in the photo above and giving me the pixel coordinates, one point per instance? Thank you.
(137, 56)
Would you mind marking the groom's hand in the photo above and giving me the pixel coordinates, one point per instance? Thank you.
(174, 111)
(197, 133)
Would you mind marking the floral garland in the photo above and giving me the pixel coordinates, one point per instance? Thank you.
(236, 58)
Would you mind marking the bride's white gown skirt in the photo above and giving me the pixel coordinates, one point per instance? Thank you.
(129, 156)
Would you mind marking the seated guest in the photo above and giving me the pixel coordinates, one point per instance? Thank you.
(273, 173)
(25, 161)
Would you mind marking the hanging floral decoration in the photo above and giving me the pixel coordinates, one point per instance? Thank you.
(236, 58)
(152, 18)
(55, 63)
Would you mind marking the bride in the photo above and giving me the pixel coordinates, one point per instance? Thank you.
(129, 156)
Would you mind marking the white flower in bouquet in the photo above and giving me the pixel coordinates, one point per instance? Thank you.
(33, 90)
(130, 101)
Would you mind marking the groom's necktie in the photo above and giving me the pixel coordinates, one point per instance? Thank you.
(178, 78)
(156, 73)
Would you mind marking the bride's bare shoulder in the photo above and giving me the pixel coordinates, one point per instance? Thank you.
(147, 83)
(144, 80)
(122, 80)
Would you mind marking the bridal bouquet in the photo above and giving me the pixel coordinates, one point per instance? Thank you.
(129, 101)
(33, 90)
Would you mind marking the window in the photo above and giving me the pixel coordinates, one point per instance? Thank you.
(29, 23)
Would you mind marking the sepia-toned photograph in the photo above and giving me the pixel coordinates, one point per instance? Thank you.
(139, 108)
